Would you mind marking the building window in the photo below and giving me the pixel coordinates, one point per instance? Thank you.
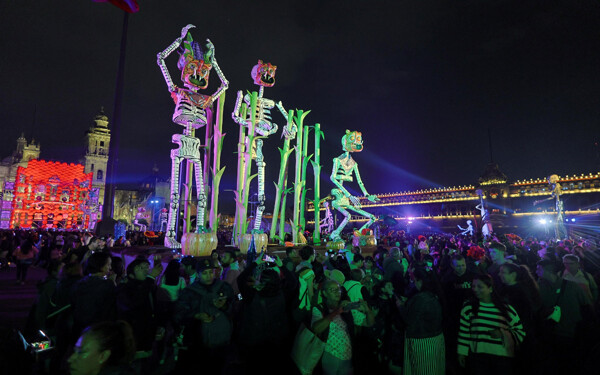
(100, 175)
(91, 167)
(101, 143)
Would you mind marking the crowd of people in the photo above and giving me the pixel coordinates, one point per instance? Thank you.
(435, 304)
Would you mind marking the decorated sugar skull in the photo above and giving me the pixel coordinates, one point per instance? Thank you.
(195, 63)
(352, 141)
(263, 74)
(552, 179)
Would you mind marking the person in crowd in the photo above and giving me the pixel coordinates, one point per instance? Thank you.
(203, 314)
(105, 348)
(93, 298)
(136, 302)
(456, 283)
(521, 292)
(393, 269)
(231, 270)
(189, 264)
(266, 287)
(171, 283)
(118, 268)
(574, 273)
(289, 260)
(306, 279)
(424, 348)
(388, 329)
(24, 257)
(490, 330)
(565, 306)
(333, 322)
(372, 270)
(497, 253)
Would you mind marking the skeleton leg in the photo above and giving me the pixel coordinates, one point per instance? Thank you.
(199, 194)
(261, 184)
(340, 203)
(170, 237)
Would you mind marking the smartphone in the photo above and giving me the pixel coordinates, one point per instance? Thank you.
(268, 258)
(351, 306)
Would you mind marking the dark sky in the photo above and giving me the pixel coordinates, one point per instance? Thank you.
(423, 80)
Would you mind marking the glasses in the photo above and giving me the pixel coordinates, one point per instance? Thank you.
(333, 290)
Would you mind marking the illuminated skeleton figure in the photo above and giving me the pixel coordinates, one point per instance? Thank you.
(141, 215)
(327, 222)
(468, 230)
(486, 223)
(195, 63)
(343, 168)
(559, 226)
(263, 75)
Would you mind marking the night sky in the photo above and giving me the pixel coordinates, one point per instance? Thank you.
(423, 80)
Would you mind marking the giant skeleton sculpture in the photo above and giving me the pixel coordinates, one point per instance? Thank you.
(343, 168)
(195, 63)
(263, 75)
(560, 231)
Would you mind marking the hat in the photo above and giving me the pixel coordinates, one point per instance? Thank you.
(337, 275)
(204, 264)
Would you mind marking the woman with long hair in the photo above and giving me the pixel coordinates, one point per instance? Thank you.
(489, 331)
(521, 291)
(424, 348)
(24, 256)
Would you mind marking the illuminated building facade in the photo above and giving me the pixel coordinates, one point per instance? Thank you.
(510, 204)
(51, 195)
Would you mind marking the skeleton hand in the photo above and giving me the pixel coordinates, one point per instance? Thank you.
(289, 131)
(184, 31)
(372, 198)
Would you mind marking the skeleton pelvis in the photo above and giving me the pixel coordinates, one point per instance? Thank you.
(339, 199)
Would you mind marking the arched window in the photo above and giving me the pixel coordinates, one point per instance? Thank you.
(100, 175)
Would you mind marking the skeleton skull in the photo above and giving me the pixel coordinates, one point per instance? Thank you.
(263, 74)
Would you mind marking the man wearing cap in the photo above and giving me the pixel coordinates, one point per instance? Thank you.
(203, 313)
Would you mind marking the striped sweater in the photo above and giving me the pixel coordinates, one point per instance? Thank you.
(473, 334)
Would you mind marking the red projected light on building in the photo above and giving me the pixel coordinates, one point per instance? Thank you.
(51, 195)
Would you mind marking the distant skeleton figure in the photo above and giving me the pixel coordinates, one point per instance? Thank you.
(468, 230)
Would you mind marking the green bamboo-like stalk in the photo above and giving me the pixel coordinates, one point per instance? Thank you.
(286, 191)
(279, 187)
(248, 163)
(241, 178)
(187, 192)
(217, 171)
(207, 161)
(298, 183)
(305, 159)
(316, 164)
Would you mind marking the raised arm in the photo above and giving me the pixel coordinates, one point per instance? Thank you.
(160, 57)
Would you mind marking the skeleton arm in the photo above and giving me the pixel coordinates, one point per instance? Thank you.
(224, 82)
(289, 130)
(372, 198)
(161, 56)
(236, 109)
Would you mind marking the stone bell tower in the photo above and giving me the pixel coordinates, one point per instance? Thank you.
(97, 141)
